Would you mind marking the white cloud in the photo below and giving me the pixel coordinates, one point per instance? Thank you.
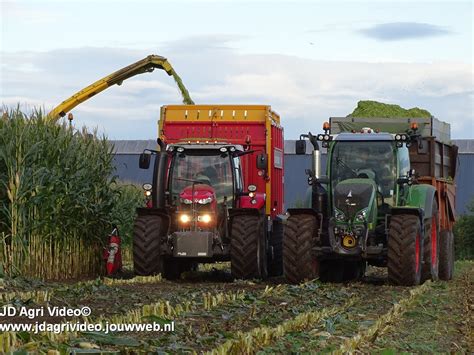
(305, 92)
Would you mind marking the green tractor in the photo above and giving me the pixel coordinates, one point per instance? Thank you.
(369, 209)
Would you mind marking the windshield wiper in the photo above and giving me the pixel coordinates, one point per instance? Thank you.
(340, 162)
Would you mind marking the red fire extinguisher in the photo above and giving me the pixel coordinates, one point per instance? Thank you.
(113, 253)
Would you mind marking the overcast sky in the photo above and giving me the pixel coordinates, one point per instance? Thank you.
(307, 59)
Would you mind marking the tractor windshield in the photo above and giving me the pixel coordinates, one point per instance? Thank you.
(372, 160)
(210, 167)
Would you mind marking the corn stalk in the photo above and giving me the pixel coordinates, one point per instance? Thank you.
(395, 312)
(57, 198)
(249, 342)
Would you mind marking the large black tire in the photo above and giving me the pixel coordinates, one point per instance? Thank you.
(404, 250)
(430, 267)
(248, 256)
(331, 271)
(298, 237)
(147, 233)
(446, 255)
(275, 262)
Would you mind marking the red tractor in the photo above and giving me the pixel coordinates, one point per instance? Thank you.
(216, 193)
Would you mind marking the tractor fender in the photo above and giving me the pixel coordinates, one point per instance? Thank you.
(422, 196)
(296, 211)
(244, 211)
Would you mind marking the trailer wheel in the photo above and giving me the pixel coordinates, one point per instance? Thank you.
(431, 247)
(147, 232)
(275, 264)
(446, 255)
(404, 250)
(298, 263)
(248, 256)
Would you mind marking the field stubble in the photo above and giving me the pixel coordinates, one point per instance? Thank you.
(214, 313)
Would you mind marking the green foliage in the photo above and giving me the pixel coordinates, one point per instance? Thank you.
(379, 109)
(57, 200)
(464, 235)
(128, 198)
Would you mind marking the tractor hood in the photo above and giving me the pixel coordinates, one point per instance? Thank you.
(203, 194)
(354, 195)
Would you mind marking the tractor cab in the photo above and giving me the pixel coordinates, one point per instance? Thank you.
(213, 171)
(363, 170)
(204, 182)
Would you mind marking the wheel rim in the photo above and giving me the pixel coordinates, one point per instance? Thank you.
(417, 253)
(434, 243)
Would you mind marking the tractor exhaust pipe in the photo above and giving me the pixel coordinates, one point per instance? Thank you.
(160, 175)
(316, 156)
(319, 195)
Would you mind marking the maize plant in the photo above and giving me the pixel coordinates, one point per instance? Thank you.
(57, 198)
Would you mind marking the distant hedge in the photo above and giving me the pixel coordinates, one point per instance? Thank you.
(464, 235)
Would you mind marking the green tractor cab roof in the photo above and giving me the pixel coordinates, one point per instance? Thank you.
(364, 137)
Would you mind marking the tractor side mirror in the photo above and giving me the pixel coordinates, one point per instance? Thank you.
(262, 161)
(300, 147)
(144, 161)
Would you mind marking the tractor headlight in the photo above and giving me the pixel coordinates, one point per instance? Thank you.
(184, 218)
(339, 215)
(361, 216)
(205, 218)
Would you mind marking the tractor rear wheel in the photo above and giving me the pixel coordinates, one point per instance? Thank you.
(446, 255)
(431, 247)
(404, 250)
(248, 252)
(147, 232)
(275, 264)
(298, 236)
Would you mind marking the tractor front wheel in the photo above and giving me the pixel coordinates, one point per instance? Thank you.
(147, 232)
(248, 256)
(298, 236)
(404, 250)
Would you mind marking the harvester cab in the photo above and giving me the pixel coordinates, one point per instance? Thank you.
(369, 208)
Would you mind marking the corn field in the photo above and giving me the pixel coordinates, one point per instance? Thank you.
(57, 198)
